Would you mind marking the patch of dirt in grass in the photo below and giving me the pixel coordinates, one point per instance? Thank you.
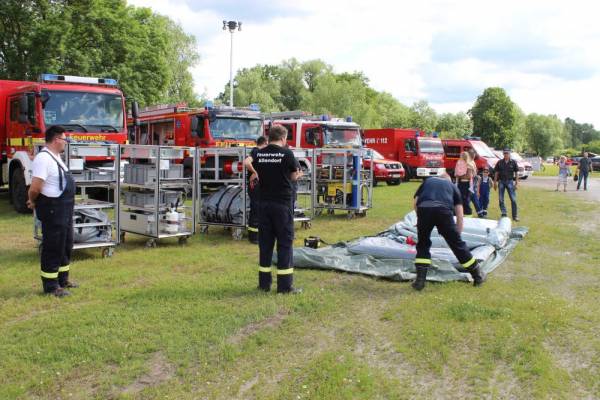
(574, 361)
(271, 322)
(246, 386)
(160, 370)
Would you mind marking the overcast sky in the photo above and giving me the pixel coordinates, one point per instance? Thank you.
(546, 54)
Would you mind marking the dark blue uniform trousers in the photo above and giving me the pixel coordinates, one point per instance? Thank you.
(276, 224)
(443, 220)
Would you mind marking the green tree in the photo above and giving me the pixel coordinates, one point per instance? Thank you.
(422, 116)
(578, 134)
(544, 134)
(149, 54)
(454, 125)
(494, 117)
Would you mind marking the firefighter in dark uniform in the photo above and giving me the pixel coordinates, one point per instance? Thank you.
(277, 170)
(52, 195)
(436, 202)
(253, 183)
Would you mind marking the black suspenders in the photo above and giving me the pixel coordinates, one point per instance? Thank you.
(61, 170)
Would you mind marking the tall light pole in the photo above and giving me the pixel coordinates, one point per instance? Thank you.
(232, 26)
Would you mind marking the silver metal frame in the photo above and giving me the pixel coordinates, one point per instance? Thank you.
(153, 154)
(304, 196)
(215, 176)
(321, 161)
(76, 150)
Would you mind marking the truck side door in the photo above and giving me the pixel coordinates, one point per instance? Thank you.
(312, 136)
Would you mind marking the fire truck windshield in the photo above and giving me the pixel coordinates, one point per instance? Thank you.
(236, 128)
(342, 137)
(83, 111)
(431, 146)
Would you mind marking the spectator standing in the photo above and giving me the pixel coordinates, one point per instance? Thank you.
(563, 173)
(584, 169)
(506, 179)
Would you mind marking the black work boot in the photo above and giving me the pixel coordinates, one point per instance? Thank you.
(477, 274)
(419, 283)
(285, 284)
(253, 237)
(264, 281)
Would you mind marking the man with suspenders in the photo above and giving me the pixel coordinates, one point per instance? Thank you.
(52, 195)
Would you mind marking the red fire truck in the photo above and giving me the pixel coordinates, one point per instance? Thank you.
(310, 131)
(484, 156)
(90, 109)
(179, 125)
(421, 155)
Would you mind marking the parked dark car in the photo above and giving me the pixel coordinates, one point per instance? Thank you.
(596, 163)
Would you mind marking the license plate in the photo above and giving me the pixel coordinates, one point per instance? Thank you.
(395, 175)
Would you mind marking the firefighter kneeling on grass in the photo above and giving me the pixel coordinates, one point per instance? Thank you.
(277, 170)
(52, 195)
(436, 200)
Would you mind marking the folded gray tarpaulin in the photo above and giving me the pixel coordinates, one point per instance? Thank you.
(388, 256)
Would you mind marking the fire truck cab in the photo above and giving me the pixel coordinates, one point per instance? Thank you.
(484, 156)
(179, 125)
(308, 131)
(422, 156)
(90, 109)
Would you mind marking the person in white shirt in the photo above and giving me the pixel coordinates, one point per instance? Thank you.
(52, 195)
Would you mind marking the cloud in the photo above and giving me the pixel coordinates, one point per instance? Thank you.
(546, 54)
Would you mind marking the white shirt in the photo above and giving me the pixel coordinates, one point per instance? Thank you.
(45, 168)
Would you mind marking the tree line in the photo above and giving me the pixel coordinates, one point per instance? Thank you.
(148, 53)
(151, 57)
(313, 86)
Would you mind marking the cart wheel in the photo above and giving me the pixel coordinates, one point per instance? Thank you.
(183, 240)
(107, 252)
(237, 233)
(122, 237)
(306, 224)
(330, 211)
(204, 229)
(318, 212)
(350, 215)
(151, 243)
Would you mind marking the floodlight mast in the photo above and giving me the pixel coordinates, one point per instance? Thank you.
(231, 26)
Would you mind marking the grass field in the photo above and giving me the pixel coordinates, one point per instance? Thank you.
(187, 323)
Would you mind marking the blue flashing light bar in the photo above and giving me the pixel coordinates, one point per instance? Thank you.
(435, 134)
(324, 117)
(209, 104)
(349, 118)
(78, 79)
(416, 133)
(254, 107)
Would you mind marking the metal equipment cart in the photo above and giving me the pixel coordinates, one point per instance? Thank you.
(93, 226)
(304, 201)
(222, 189)
(340, 182)
(154, 194)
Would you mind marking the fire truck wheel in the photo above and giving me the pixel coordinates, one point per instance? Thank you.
(393, 182)
(19, 191)
(203, 228)
(183, 240)
(375, 182)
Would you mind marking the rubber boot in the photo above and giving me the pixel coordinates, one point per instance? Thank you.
(264, 281)
(419, 283)
(253, 237)
(477, 274)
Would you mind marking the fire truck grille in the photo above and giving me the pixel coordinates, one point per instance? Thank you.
(434, 164)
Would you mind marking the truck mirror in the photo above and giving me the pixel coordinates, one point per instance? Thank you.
(135, 112)
(23, 109)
